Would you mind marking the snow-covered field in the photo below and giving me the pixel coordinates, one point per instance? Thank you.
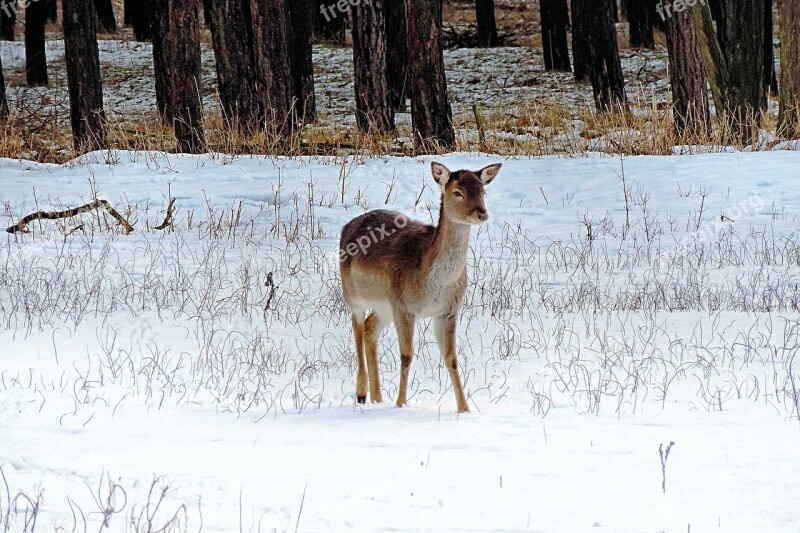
(155, 379)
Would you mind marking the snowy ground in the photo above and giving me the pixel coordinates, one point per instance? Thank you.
(593, 335)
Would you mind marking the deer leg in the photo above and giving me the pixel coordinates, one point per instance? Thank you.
(404, 323)
(374, 327)
(445, 330)
(361, 374)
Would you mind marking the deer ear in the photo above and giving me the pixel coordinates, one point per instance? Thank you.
(487, 174)
(440, 173)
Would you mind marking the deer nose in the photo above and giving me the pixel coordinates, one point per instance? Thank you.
(483, 216)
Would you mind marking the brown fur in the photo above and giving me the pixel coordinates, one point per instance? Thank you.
(402, 269)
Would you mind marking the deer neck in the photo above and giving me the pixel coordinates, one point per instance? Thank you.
(447, 256)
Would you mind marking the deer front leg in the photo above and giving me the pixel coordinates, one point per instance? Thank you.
(361, 373)
(404, 323)
(445, 330)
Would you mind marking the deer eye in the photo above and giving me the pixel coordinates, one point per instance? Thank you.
(457, 194)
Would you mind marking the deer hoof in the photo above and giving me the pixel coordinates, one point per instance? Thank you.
(361, 399)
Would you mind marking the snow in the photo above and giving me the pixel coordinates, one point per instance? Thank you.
(129, 358)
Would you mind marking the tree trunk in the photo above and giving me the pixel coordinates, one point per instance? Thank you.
(140, 12)
(3, 97)
(431, 116)
(690, 109)
(105, 16)
(127, 7)
(273, 72)
(487, 26)
(301, 61)
(52, 11)
(184, 44)
(162, 70)
(789, 114)
(83, 75)
(770, 79)
(35, 59)
(8, 19)
(396, 53)
(641, 15)
(329, 24)
(605, 68)
(614, 11)
(555, 20)
(236, 75)
(580, 39)
(373, 110)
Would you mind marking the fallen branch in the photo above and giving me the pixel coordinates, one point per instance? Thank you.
(168, 217)
(22, 225)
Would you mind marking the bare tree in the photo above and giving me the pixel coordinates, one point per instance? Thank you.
(555, 20)
(396, 53)
(162, 69)
(641, 18)
(770, 77)
(83, 75)
(184, 45)
(8, 19)
(105, 16)
(789, 114)
(580, 39)
(373, 110)
(139, 12)
(594, 18)
(301, 23)
(35, 59)
(487, 24)
(3, 97)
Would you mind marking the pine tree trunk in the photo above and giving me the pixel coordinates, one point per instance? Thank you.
(105, 16)
(770, 79)
(83, 75)
(431, 116)
(127, 7)
(373, 111)
(159, 24)
(605, 68)
(236, 75)
(555, 20)
(52, 12)
(140, 13)
(789, 114)
(301, 23)
(184, 44)
(273, 72)
(8, 20)
(3, 97)
(641, 15)
(580, 38)
(329, 23)
(396, 53)
(487, 25)
(690, 109)
(35, 59)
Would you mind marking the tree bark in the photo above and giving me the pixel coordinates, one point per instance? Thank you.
(140, 13)
(301, 23)
(273, 72)
(770, 78)
(789, 114)
(8, 20)
(373, 110)
(555, 20)
(396, 53)
(641, 17)
(83, 75)
(184, 44)
(580, 39)
(127, 7)
(605, 68)
(105, 16)
(35, 59)
(487, 25)
(236, 75)
(431, 116)
(690, 109)
(162, 69)
(3, 97)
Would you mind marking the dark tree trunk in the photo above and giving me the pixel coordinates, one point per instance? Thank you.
(789, 114)
(301, 23)
(580, 38)
(373, 110)
(236, 74)
(35, 60)
(140, 12)
(8, 19)
(273, 72)
(487, 25)
(770, 79)
(396, 53)
(690, 109)
(555, 20)
(83, 75)
(330, 22)
(105, 16)
(3, 97)
(52, 12)
(127, 8)
(605, 69)
(431, 116)
(718, 15)
(614, 11)
(641, 15)
(184, 49)
(162, 69)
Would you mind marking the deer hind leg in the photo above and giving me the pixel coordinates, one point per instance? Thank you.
(361, 374)
(445, 330)
(404, 323)
(375, 325)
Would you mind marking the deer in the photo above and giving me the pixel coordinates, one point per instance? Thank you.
(400, 270)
